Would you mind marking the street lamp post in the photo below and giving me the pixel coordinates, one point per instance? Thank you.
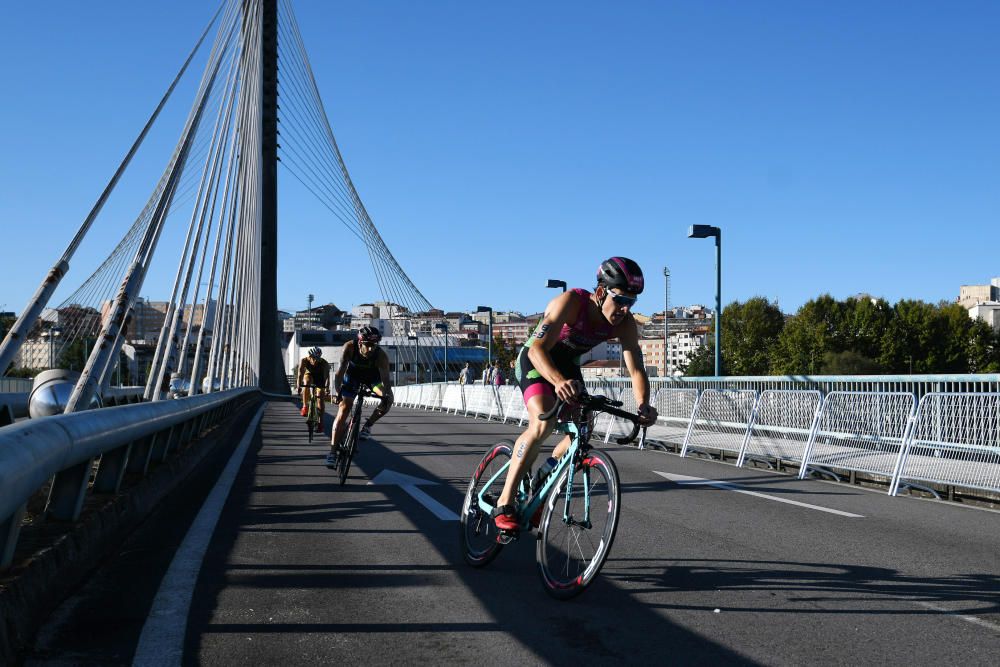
(666, 307)
(556, 283)
(414, 364)
(704, 232)
(489, 344)
(444, 326)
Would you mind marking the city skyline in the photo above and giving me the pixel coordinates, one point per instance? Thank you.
(841, 149)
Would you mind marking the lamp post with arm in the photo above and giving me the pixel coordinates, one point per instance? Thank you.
(489, 343)
(556, 283)
(666, 337)
(704, 232)
(444, 325)
(414, 364)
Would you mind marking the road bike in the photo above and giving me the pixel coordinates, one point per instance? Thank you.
(575, 509)
(314, 416)
(349, 446)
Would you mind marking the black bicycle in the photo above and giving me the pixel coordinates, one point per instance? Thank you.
(314, 417)
(349, 446)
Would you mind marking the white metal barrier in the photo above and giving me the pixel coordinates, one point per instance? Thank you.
(453, 399)
(955, 440)
(721, 418)
(860, 431)
(480, 400)
(781, 425)
(674, 409)
(616, 425)
(951, 438)
(511, 403)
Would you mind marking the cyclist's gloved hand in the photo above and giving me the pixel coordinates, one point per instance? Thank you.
(647, 414)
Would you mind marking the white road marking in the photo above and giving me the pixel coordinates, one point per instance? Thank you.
(698, 481)
(965, 617)
(410, 484)
(162, 639)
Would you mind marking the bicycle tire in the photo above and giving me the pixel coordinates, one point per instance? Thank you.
(476, 528)
(571, 555)
(347, 455)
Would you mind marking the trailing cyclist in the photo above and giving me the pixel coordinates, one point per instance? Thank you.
(362, 362)
(314, 374)
(548, 365)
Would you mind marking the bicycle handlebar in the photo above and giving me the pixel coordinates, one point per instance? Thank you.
(600, 404)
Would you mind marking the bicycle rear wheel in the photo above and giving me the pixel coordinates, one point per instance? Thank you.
(350, 442)
(571, 550)
(478, 532)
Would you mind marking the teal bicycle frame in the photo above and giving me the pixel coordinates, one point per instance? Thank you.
(527, 506)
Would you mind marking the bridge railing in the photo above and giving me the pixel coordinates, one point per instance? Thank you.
(901, 429)
(64, 448)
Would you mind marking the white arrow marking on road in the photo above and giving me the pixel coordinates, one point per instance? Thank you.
(696, 481)
(410, 484)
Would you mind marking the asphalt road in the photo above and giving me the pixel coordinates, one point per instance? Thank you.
(300, 569)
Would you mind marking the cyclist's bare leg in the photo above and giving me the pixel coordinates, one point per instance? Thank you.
(306, 393)
(526, 447)
(340, 422)
(561, 448)
(381, 410)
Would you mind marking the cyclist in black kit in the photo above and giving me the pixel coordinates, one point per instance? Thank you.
(362, 362)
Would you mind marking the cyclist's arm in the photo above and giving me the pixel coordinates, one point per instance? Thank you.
(302, 372)
(561, 310)
(345, 357)
(324, 382)
(632, 356)
(383, 371)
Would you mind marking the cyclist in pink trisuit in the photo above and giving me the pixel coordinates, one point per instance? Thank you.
(548, 365)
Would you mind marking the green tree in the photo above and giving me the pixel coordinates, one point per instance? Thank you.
(865, 321)
(849, 362)
(701, 362)
(749, 332)
(817, 328)
(5, 324)
(984, 348)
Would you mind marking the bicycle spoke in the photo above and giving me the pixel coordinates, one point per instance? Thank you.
(571, 553)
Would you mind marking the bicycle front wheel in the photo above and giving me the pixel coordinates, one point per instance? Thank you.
(350, 445)
(578, 527)
(479, 533)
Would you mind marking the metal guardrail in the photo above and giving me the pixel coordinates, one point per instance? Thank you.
(899, 427)
(15, 385)
(63, 448)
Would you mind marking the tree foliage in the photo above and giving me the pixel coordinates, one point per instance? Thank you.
(857, 336)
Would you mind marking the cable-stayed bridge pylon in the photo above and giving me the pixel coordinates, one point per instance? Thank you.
(213, 213)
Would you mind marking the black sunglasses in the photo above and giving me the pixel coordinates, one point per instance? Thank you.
(622, 300)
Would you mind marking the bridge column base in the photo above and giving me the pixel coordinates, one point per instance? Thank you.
(111, 470)
(9, 529)
(68, 488)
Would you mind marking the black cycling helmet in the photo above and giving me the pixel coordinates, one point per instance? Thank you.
(369, 335)
(315, 352)
(620, 272)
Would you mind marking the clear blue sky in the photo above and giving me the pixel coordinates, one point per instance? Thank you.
(842, 147)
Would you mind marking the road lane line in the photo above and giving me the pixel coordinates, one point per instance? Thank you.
(975, 620)
(698, 481)
(411, 485)
(162, 638)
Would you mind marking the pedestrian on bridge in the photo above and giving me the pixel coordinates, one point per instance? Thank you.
(465, 375)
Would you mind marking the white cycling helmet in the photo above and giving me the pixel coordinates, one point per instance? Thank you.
(315, 352)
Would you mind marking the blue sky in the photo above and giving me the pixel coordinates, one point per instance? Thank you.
(842, 147)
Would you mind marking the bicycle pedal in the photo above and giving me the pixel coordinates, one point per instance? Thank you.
(507, 536)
